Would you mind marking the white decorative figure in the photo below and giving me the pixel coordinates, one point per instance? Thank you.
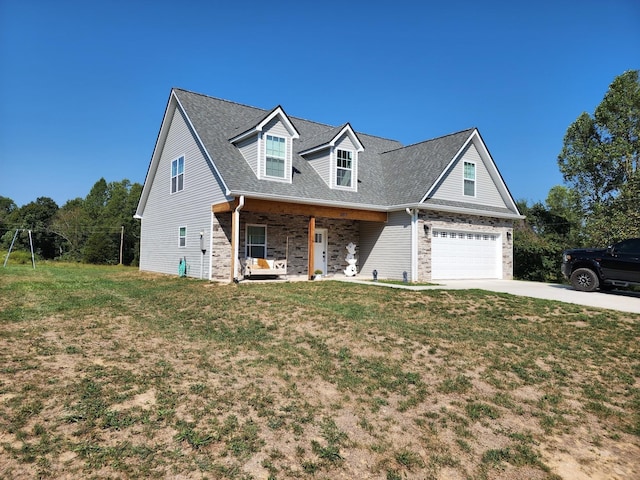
(351, 271)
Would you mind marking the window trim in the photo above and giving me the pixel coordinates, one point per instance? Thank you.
(246, 239)
(284, 159)
(182, 239)
(177, 176)
(337, 160)
(472, 180)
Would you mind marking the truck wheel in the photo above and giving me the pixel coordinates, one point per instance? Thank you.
(585, 280)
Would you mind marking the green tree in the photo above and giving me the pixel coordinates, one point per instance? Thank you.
(599, 162)
(538, 243)
(110, 208)
(36, 217)
(70, 223)
(7, 207)
(564, 204)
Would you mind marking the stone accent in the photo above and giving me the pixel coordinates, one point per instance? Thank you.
(281, 227)
(435, 220)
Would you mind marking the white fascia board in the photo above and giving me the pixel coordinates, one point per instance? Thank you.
(484, 153)
(460, 210)
(155, 156)
(308, 201)
(284, 118)
(202, 145)
(276, 112)
(243, 135)
(332, 143)
(445, 171)
(324, 146)
(354, 138)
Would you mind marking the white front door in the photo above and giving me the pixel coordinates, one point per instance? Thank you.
(320, 250)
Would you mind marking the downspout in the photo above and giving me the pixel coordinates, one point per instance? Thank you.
(414, 242)
(210, 259)
(236, 236)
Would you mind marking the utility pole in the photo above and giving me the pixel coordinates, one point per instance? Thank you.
(121, 242)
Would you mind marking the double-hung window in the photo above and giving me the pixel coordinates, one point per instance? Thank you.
(256, 241)
(469, 179)
(177, 175)
(344, 168)
(182, 237)
(276, 149)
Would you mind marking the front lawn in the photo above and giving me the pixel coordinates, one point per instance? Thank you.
(109, 372)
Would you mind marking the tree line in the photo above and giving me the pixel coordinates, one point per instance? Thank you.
(99, 228)
(599, 202)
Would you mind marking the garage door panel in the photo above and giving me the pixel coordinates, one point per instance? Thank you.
(465, 255)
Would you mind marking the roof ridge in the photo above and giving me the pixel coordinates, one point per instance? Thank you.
(293, 117)
(225, 100)
(431, 140)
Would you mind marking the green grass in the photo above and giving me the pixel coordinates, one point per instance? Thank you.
(109, 372)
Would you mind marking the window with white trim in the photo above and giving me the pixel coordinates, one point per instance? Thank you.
(276, 150)
(182, 237)
(177, 175)
(469, 179)
(256, 241)
(344, 168)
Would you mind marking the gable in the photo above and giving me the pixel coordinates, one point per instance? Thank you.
(199, 179)
(489, 188)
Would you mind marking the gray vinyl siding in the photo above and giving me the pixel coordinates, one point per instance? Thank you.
(487, 192)
(165, 213)
(386, 247)
(249, 150)
(320, 161)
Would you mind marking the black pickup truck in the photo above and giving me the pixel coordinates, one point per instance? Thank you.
(606, 268)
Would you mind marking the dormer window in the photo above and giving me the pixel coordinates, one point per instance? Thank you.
(276, 154)
(344, 168)
(268, 146)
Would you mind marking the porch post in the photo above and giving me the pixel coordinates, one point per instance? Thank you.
(311, 240)
(235, 238)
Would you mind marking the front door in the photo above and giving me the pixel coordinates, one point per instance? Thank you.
(320, 250)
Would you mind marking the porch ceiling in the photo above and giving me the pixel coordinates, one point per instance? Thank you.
(270, 206)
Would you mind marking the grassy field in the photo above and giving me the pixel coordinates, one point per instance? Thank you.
(106, 372)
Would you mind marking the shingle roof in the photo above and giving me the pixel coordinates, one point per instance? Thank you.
(388, 173)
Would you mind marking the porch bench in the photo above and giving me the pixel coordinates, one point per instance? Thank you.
(264, 266)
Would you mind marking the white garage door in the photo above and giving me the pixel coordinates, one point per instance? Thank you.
(465, 254)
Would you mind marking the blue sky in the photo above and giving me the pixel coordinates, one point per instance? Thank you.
(84, 85)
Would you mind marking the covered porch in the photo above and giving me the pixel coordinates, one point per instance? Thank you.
(307, 237)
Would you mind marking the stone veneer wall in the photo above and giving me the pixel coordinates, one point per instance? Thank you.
(435, 220)
(279, 227)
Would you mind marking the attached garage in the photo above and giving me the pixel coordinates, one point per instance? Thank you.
(465, 255)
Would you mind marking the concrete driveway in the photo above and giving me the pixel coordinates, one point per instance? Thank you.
(622, 300)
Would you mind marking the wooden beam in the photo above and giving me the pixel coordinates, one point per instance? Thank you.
(225, 206)
(311, 241)
(270, 206)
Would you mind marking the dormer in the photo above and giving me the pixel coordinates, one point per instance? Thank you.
(267, 146)
(334, 155)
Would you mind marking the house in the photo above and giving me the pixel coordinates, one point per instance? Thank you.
(228, 184)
